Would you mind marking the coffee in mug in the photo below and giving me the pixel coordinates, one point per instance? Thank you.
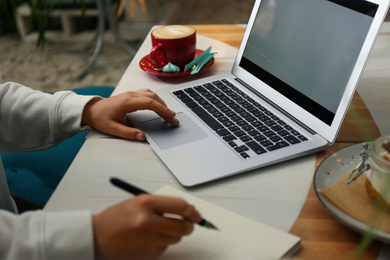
(174, 44)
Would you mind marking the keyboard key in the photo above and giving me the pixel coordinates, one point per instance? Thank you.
(295, 132)
(227, 111)
(223, 119)
(229, 138)
(256, 123)
(262, 128)
(266, 143)
(220, 106)
(214, 90)
(270, 123)
(234, 106)
(234, 128)
(232, 144)
(253, 133)
(215, 101)
(302, 138)
(228, 124)
(277, 128)
(269, 133)
(239, 133)
(211, 109)
(208, 85)
(198, 98)
(217, 114)
(250, 119)
(222, 132)
(283, 133)
(244, 114)
(178, 93)
(225, 99)
(247, 128)
(260, 138)
(241, 149)
(209, 120)
(244, 155)
(245, 148)
(211, 98)
(192, 104)
(246, 139)
(193, 93)
(239, 110)
(277, 146)
(189, 90)
(256, 147)
(242, 123)
(291, 139)
(203, 103)
(186, 100)
(275, 138)
(235, 118)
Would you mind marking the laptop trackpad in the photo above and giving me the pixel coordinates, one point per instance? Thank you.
(167, 136)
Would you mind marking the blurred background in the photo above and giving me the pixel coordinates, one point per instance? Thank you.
(50, 67)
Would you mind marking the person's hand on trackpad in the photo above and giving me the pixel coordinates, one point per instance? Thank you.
(107, 115)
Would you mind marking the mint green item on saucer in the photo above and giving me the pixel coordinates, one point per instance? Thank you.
(197, 59)
(171, 68)
(202, 63)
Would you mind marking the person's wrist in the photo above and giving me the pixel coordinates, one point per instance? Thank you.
(87, 114)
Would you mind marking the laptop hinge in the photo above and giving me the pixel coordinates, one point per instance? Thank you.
(276, 106)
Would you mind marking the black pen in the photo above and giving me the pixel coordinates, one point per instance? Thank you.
(137, 191)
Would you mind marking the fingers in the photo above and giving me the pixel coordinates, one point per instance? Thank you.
(177, 206)
(172, 216)
(121, 130)
(150, 93)
(172, 229)
(147, 99)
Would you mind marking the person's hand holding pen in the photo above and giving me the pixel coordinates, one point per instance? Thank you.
(137, 228)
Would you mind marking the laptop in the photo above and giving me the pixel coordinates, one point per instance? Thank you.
(294, 76)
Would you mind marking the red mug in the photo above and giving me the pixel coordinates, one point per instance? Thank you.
(174, 44)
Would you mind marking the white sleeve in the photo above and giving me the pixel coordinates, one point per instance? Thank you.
(32, 120)
(46, 235)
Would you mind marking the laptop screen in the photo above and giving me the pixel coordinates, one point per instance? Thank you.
(307, 49)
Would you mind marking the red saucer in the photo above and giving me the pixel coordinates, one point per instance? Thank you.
(146, 65)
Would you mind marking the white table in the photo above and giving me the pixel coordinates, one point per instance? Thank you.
(85, 185)
(273, 195)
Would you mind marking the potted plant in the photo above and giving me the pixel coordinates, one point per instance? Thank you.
(40, 13)
(41, 10)
(7, 15)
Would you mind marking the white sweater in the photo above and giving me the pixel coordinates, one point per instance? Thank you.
(31, 120)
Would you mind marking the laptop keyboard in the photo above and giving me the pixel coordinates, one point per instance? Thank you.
(245, 125)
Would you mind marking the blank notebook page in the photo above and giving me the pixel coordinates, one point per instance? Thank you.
(238, 237)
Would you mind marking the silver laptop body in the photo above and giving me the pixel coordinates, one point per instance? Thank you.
(301, 60)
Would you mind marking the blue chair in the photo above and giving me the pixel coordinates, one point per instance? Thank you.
(35, 175)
